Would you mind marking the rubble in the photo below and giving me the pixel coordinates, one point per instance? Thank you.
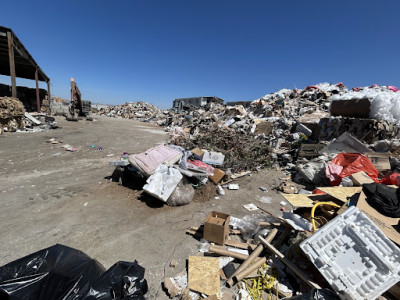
(328, 160)
(13, 117)
(141, 111)
(12, 114)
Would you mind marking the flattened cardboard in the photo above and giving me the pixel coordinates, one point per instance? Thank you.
(264, 128)
(218, 175)
(216, 227)
(386, 224)
(380, 160)
(360, 178)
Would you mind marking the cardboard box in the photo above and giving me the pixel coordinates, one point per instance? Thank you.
(216, 227)
(380, 160)
(386, 224)
(199, 165)
(218, 175)
(198, 153)
(360, 178)
(213, 158)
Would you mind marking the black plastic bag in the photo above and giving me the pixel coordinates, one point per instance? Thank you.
(61, 272)
(384, 199)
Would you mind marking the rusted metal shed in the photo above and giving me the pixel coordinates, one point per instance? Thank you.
(15, 61)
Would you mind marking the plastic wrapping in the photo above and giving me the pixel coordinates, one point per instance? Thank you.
(60, 272)
(182, 195)
(163, 182)
(353, 163)
(385, 101)
(248, 225)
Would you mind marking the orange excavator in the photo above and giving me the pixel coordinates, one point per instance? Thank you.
(78, 107)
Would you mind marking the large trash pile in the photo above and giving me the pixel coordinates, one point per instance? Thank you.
(273, 128)
(12, 113)
(141, 111)
(13, 117)
(341, 152)
(384, 101)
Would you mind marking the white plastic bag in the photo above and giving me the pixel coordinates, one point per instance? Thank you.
(163, 182)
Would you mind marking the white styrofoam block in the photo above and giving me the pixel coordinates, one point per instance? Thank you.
(354, 256)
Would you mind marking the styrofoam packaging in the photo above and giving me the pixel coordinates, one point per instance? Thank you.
(354, 256)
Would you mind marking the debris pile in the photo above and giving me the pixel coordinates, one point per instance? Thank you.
(339, 239)
(272, 257)
(274, 128)
(376, 102)
(26, 95)
(12, 113)
(13, 117)
(141, 111)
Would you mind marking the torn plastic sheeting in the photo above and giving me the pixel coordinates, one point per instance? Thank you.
(333, 171)
(163, 182)
(296, 221)
(353, 163)
(61, 272)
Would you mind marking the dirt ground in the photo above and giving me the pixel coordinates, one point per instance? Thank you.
(69, 199)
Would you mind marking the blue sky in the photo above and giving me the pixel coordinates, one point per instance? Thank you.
(157, 51)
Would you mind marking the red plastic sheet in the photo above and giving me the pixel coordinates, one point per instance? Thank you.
(354, 163)
(391, 178)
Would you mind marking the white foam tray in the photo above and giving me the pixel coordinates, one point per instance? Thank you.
(354, 256)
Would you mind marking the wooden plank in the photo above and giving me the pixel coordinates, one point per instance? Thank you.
(12, 64)
(204, 275)
(341, 193)
(288, 263)
(37, 90)
(49, 97)
(395, 291)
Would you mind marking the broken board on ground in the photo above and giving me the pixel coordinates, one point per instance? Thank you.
(341, 193)
(204, 275)
(305, 200)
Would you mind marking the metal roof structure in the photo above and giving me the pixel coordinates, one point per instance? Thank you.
(25, 65)
(15, 61)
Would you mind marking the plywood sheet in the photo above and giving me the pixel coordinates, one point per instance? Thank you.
(298, 200)
(204, 274)
(341, 193)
